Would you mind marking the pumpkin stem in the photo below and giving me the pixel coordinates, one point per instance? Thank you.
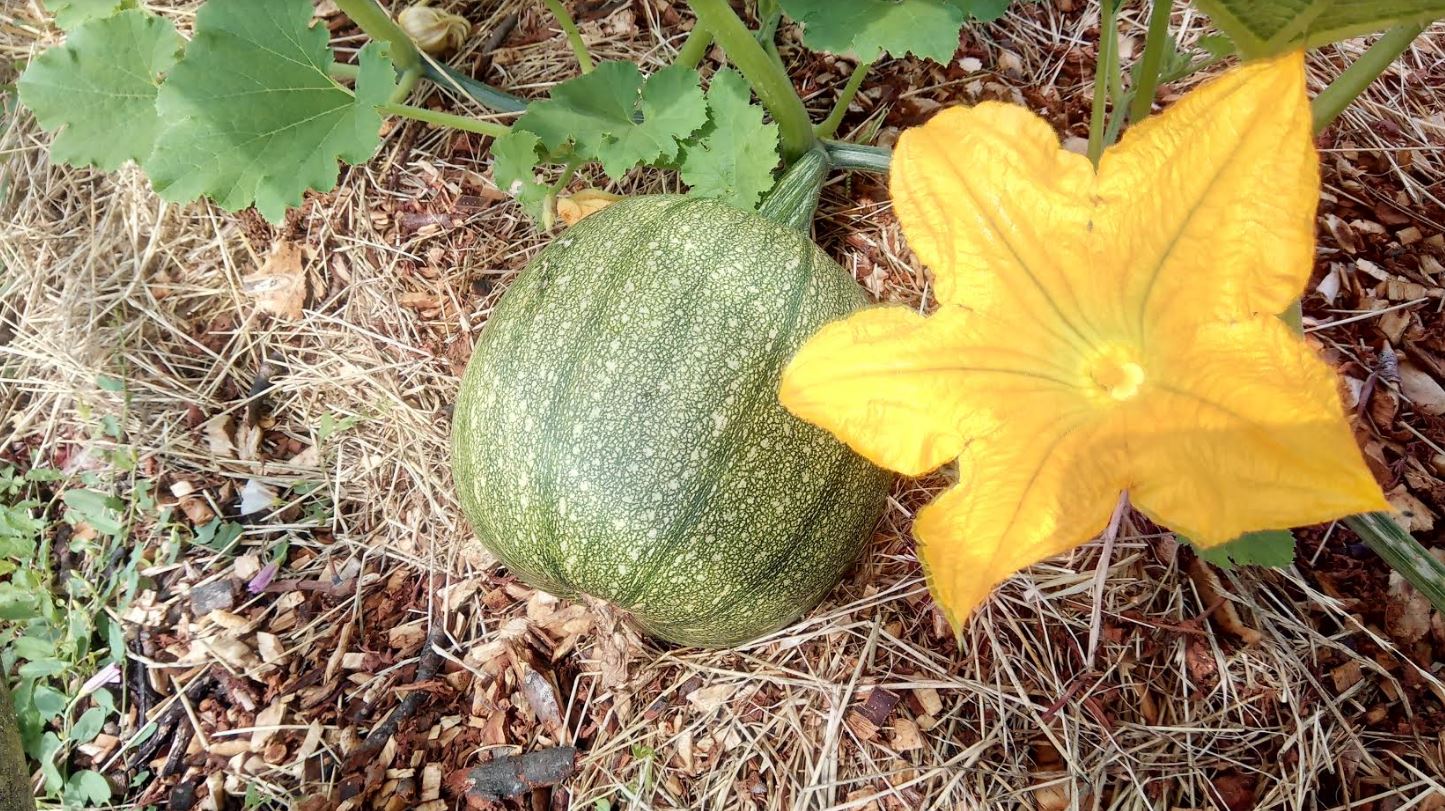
(795, 196)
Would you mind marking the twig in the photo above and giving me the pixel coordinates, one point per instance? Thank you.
(513, 774)
(168, 720)
(181, 741)
(426, 669)
(494, 41)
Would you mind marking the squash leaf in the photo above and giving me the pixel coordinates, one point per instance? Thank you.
(1264, 29)
(1273, 547)
(734, 154)
(70, 14)
(514, 161)
(612, 115)
(99, 88)
(866, 28)
(252, 115)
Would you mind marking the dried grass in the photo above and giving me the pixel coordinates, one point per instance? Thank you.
(100, 277)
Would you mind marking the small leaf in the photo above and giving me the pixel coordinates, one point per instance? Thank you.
(48, 701)
(87, 787)
(88, 726)
(1264, 29)
(514, 163)
(98, 509)
(17, 603)
(29, 647)
(72, 13)
(611, 115)
(50, 744)
(735, 153)
(1274, 547)
(99, 88)
(866, 28)
(41, 668)
(253, 116)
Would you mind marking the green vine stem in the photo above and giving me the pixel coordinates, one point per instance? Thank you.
(1352, 82)
(379, 25)
(845, 98)
(404, 87)
(1107, 66)
(694, 48)
(1156, 42)
(1403, 553)
(862, 158)
(343, 70)
(456, 122)
(574, 37)
(769, 81)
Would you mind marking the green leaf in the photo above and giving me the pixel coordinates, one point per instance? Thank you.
(88, 726)
(866, 28)
(254, 118)
(87, 787)
(99, 88)
(612, 116)
(98, 509)
(1274, 547)
(1262, 29)
(109, 383)
(514, 164)
(984, 11)
(17, 603)
(29, 647)
(71, 13)
(734, 155)
(50, 744)
(41, 668)
(218, 535)
(48, 701)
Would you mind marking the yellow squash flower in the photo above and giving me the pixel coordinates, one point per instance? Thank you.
(1098, 332)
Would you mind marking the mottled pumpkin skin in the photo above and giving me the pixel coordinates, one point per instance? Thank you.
(618, 431)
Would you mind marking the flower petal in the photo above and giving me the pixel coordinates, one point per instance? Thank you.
(907, 392)
(1034, 489)
(1210, 206)
(997, 210)
(1243, 430)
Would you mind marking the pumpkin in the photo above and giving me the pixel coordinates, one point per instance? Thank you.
(618, 434)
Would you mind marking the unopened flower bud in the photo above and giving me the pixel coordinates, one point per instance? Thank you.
(433, 30)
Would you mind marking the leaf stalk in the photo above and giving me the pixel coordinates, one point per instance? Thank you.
(1104, 76)
(694, 48)
(769, 81)
(1155, 43)
(1404, 554)
(1348, 86)
(379, 25)
(441, 119)
(574, 37)
(845, 98)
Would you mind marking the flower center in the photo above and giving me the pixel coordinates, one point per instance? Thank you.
(1117, 374)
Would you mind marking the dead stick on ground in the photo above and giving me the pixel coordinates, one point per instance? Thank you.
(169, 719)
(431, 660)
(494, 41)
(513, 774)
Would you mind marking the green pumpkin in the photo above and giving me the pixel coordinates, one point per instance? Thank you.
(618, 431)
